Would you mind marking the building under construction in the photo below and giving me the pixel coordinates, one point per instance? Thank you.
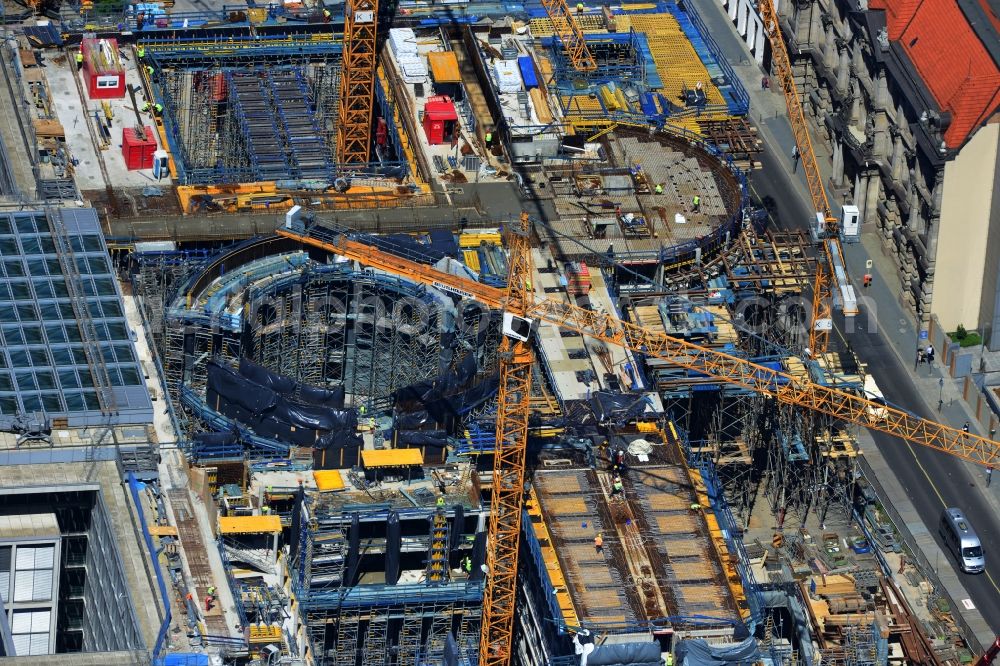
(322, 482)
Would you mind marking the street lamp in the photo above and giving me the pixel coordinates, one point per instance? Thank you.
(940, 392)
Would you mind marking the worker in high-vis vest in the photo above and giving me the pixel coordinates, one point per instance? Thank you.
(140, 52)
(79, 60)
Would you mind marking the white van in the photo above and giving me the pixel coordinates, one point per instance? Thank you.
(961, 539)
(877, 412)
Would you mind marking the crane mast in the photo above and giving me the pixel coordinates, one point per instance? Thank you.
(507, 490)
(827, 276)
(357, 82)
(571, 35)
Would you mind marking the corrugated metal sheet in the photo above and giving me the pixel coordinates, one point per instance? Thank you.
(328, 479)
(391, 458)
(249, 524)
(444, 67)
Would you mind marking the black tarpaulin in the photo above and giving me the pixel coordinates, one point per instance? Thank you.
(697, 652)
(332, 398)
(215, 438)
(457, 525)
(271, 415)
(415, 439)
(405, 246)
(353, 550)
(240, 391)
(264, 377)
(609, 406)
(626, 654)
(478, 556)
(393, 545)
(412, 420)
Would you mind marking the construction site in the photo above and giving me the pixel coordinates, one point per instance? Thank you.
(432, 334)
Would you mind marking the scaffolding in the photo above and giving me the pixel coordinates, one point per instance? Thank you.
(242, 110)
(353, 615)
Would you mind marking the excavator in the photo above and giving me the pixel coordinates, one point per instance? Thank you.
(521, 312)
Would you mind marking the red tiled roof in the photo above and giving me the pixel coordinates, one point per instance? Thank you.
(950, 58)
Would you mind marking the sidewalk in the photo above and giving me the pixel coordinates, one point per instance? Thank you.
(767, 109)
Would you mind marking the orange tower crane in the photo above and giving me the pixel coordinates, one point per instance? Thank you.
(357, 82)
(571, 35)
(507, 495)
(520, 312)
(828, 275)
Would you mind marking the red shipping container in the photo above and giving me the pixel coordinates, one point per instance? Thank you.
(440, 120)
(102, 69)
(138, 151)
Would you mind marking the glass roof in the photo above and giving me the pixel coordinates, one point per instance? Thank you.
(46, 363)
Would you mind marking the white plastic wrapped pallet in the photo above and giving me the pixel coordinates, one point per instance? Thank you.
(402, 41)
(508, 76)
(412, 67)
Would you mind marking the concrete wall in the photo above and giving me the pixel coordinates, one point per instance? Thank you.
(966, 232)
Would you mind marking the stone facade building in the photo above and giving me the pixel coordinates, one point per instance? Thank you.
(897, 90)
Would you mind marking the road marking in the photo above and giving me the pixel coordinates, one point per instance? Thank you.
(943, 504)
(968, 604)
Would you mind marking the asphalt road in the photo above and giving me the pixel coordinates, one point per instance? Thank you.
(932, 480)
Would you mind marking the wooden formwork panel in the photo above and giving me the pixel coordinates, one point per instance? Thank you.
(697, 570)
(557, 484)
(686, 548)
(677, 524)
(562, 506)
(573, 530)
(668, 502)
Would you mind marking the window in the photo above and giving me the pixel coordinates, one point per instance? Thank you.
(5, 573)
(30, 630)
(975, 551)
(107, 81)
(33, 573)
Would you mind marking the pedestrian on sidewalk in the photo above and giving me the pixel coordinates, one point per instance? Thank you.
(989, 475)
(764, 83)
(930, 354)
(795, 158)
(965, 428)
(920, 357)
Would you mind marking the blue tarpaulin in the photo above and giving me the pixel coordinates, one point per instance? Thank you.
(527, 68)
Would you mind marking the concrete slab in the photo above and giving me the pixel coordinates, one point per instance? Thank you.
(75, 111)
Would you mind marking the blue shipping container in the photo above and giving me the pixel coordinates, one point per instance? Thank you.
(527, 68)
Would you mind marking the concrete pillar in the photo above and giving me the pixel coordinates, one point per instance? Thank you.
(915, 220)
(844, 72)
(897, 159)
(830, 56)
(838, 163)
(881, 92)
(872, 192)
(854, 118)
(861, 195)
